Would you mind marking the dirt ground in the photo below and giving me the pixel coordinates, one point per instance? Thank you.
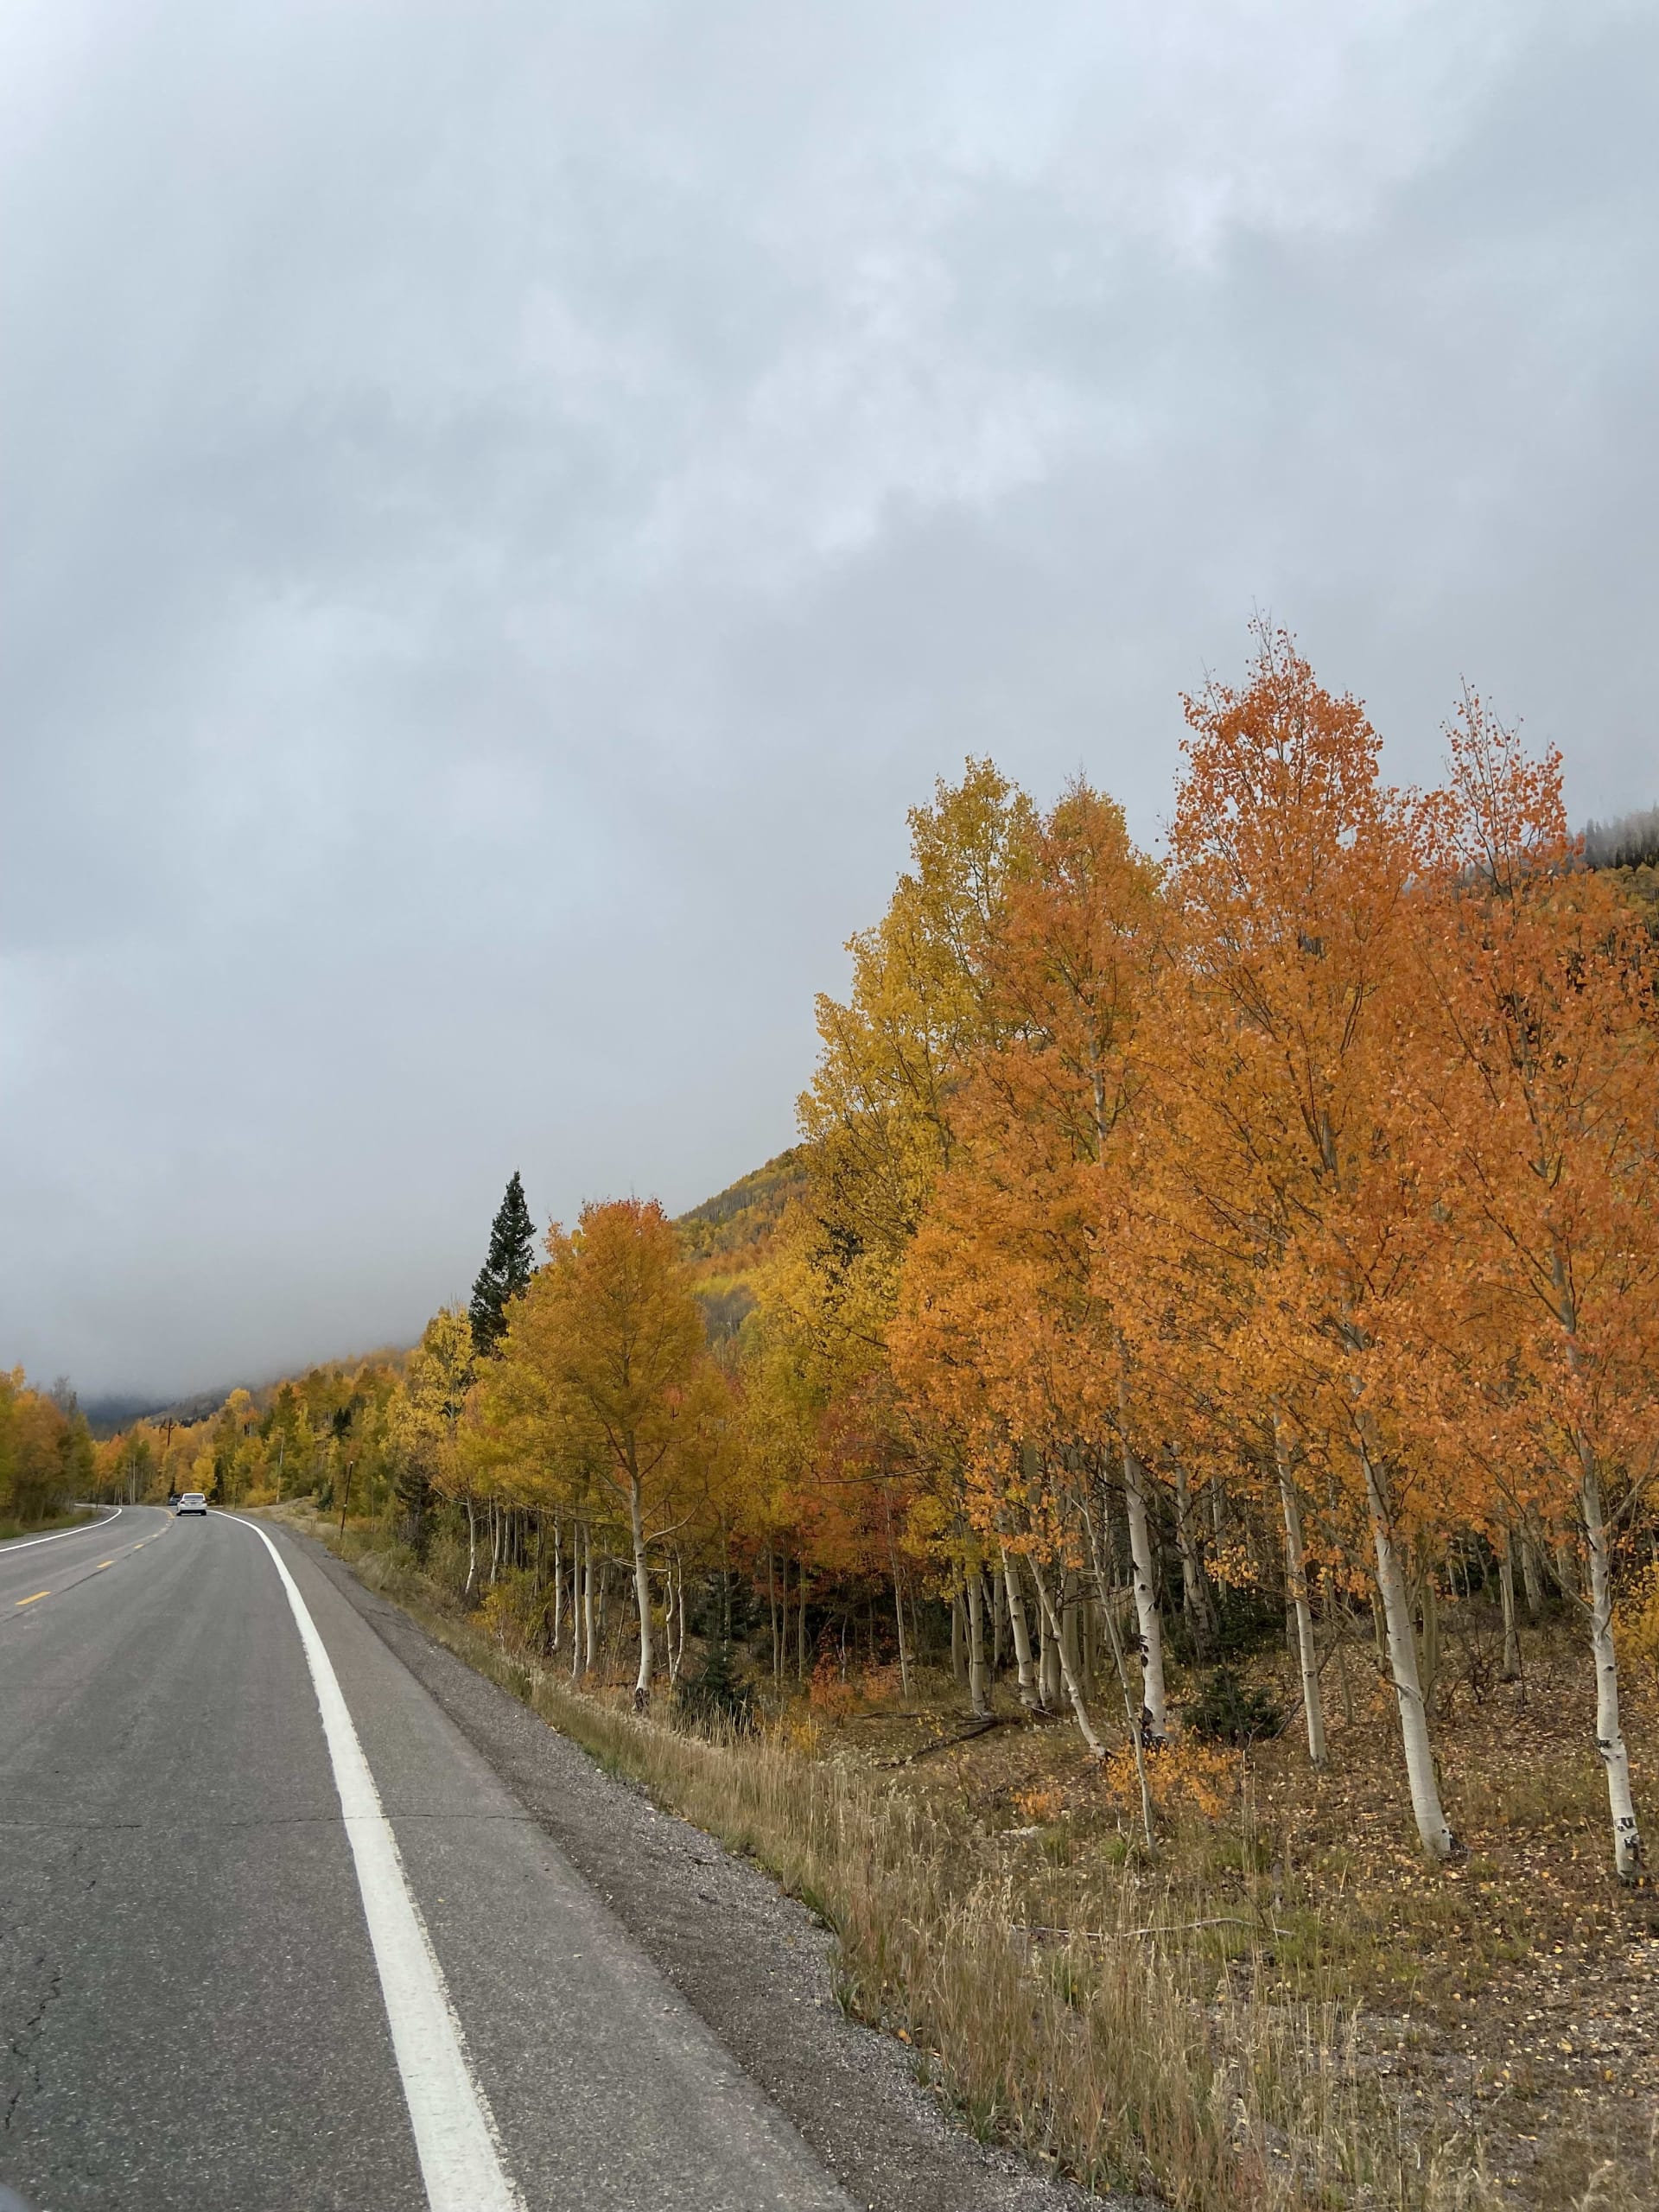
(1514, 1993)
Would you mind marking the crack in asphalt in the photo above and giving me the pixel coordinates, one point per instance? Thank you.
(22, 2047)
(22, 2044)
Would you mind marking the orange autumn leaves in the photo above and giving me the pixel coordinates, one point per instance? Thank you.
(1340, 1130)
(1280, 1212)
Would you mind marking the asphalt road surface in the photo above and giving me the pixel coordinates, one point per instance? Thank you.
(274, 1937)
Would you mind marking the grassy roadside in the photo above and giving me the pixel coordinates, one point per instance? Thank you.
(9, 1530)
(1059, 2007)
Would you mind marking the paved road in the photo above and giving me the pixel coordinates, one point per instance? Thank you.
(217, 1995)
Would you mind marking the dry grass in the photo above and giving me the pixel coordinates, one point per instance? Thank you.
(1112, 2056)
(1089, 2055)
(1262, 2018)
(68, 1517)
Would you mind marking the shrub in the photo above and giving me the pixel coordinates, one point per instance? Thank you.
(713, 1696)
(1228, 1711)
(828, 1692)
(1043, 1802)
(514, 1612)
(882, 1685)
(1183, 1776)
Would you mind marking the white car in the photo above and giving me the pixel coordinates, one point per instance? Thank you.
(192, 1501)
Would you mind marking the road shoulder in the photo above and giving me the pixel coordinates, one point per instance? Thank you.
(751, 1961)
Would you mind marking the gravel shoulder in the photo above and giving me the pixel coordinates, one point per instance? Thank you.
(752, 1962)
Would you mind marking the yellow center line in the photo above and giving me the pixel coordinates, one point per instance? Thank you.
(35, 1599)
(102, 1564)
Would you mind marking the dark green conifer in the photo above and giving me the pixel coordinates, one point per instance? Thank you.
(510, 1266)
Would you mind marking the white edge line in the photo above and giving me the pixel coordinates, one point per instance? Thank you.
(455, 2135)
(58, 1535)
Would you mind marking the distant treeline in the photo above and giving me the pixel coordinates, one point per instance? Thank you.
(1631, 841)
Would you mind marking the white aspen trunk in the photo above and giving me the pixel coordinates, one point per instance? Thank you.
(1437, 1840)
(1048, 1663)
(1153, 1718)
(472, 1550)
(1195, 1590)
(1431, 1656)
(558, 1582)
(1029, 1692)
(495, 1544)
(641, 1596)
(1336, 1619)
(958, 1672)
(588, 1603)
(1506, 1585)
(1103, 1590)
(1073, 1687)
(1072, 1624)
(1296, 1575)
(772, 1615)
(1532, 1580)
(800, 1620)
(1184, 1542)
(978, 1696)
(994, 1600)
(1628, 1854)
(898, 1600)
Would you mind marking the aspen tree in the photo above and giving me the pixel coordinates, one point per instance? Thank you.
(1293, 868)
(1068, 1673)
(611, 1336)
(1030, 1690)
(1506, 1587)
(1197, 1605)
(879, 1114)
(1005, 1320)
(978, 1685)
(437, 1379)
(1549, 1121)
(1154, 1723)
(1296, 1574)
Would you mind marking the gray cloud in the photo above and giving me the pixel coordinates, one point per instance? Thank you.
(507, 504)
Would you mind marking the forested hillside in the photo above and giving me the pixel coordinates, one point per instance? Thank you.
(730, 1239)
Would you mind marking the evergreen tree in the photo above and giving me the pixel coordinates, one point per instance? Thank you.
(716, 1697)
(508, 1268)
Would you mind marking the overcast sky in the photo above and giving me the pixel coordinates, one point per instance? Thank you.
(505, 503)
